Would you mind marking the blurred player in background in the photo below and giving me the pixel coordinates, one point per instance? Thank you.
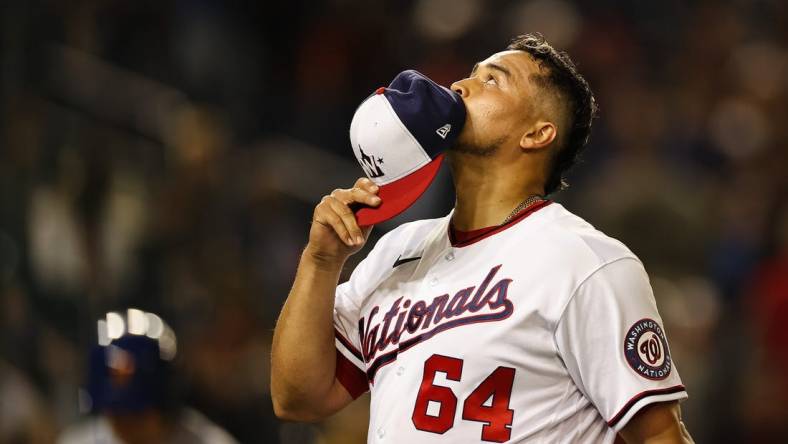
(131, 388)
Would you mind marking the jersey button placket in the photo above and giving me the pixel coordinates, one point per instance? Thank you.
(431, 280)
(381, 433)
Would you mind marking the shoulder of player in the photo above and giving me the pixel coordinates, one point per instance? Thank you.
(407, 237)
(574, 240)
(195, 427)
(405, 240)
(92, 429)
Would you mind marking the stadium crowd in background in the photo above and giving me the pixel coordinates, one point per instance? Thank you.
(167, 156)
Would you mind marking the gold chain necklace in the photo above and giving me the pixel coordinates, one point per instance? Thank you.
(530, 200)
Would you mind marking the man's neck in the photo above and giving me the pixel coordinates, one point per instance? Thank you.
(487, 191)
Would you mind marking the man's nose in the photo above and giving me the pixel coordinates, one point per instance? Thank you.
(461, 88)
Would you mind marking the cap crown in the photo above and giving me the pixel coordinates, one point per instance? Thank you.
(399, 129)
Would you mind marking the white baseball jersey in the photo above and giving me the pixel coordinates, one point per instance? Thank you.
(541, 330)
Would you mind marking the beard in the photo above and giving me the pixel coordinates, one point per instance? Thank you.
(477, 150)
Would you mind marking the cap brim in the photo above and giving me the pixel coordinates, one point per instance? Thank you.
(397, 196)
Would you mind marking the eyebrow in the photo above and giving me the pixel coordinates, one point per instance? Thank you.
(494, 66)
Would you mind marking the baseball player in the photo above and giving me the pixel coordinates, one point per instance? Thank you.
(131, 388)
(510, 319)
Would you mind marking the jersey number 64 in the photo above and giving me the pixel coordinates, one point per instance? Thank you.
(496, 415)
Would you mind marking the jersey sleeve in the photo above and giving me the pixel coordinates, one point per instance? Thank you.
(350, 368)
(613, 343)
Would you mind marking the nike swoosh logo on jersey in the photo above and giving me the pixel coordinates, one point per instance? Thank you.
(401, 261)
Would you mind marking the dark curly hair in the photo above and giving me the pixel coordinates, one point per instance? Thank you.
(560, 76)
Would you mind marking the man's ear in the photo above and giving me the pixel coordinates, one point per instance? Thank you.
(540, 135)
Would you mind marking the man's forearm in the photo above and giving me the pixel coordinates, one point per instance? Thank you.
(303, 357)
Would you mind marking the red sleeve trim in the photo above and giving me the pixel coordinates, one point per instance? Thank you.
(353, 379)
(665, 391)
(348, 345)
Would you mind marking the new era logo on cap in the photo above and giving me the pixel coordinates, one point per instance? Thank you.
(444, 130)
(398, 124)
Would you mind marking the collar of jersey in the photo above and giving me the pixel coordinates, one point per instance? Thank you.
(461, 239)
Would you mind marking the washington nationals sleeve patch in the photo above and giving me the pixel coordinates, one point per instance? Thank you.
(646, 350)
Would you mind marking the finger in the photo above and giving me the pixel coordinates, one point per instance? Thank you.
(326, 216)
(342, 195)
(363, 196)
(348, 219)
(367, 184)
(354, 195)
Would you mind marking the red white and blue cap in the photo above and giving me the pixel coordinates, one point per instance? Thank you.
(399, 135)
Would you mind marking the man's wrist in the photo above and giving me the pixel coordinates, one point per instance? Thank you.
(323, 262)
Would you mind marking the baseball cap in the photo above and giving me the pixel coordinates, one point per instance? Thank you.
(398, 135)
(130, 367)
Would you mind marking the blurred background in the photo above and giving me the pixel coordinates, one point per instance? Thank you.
(166, 155)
